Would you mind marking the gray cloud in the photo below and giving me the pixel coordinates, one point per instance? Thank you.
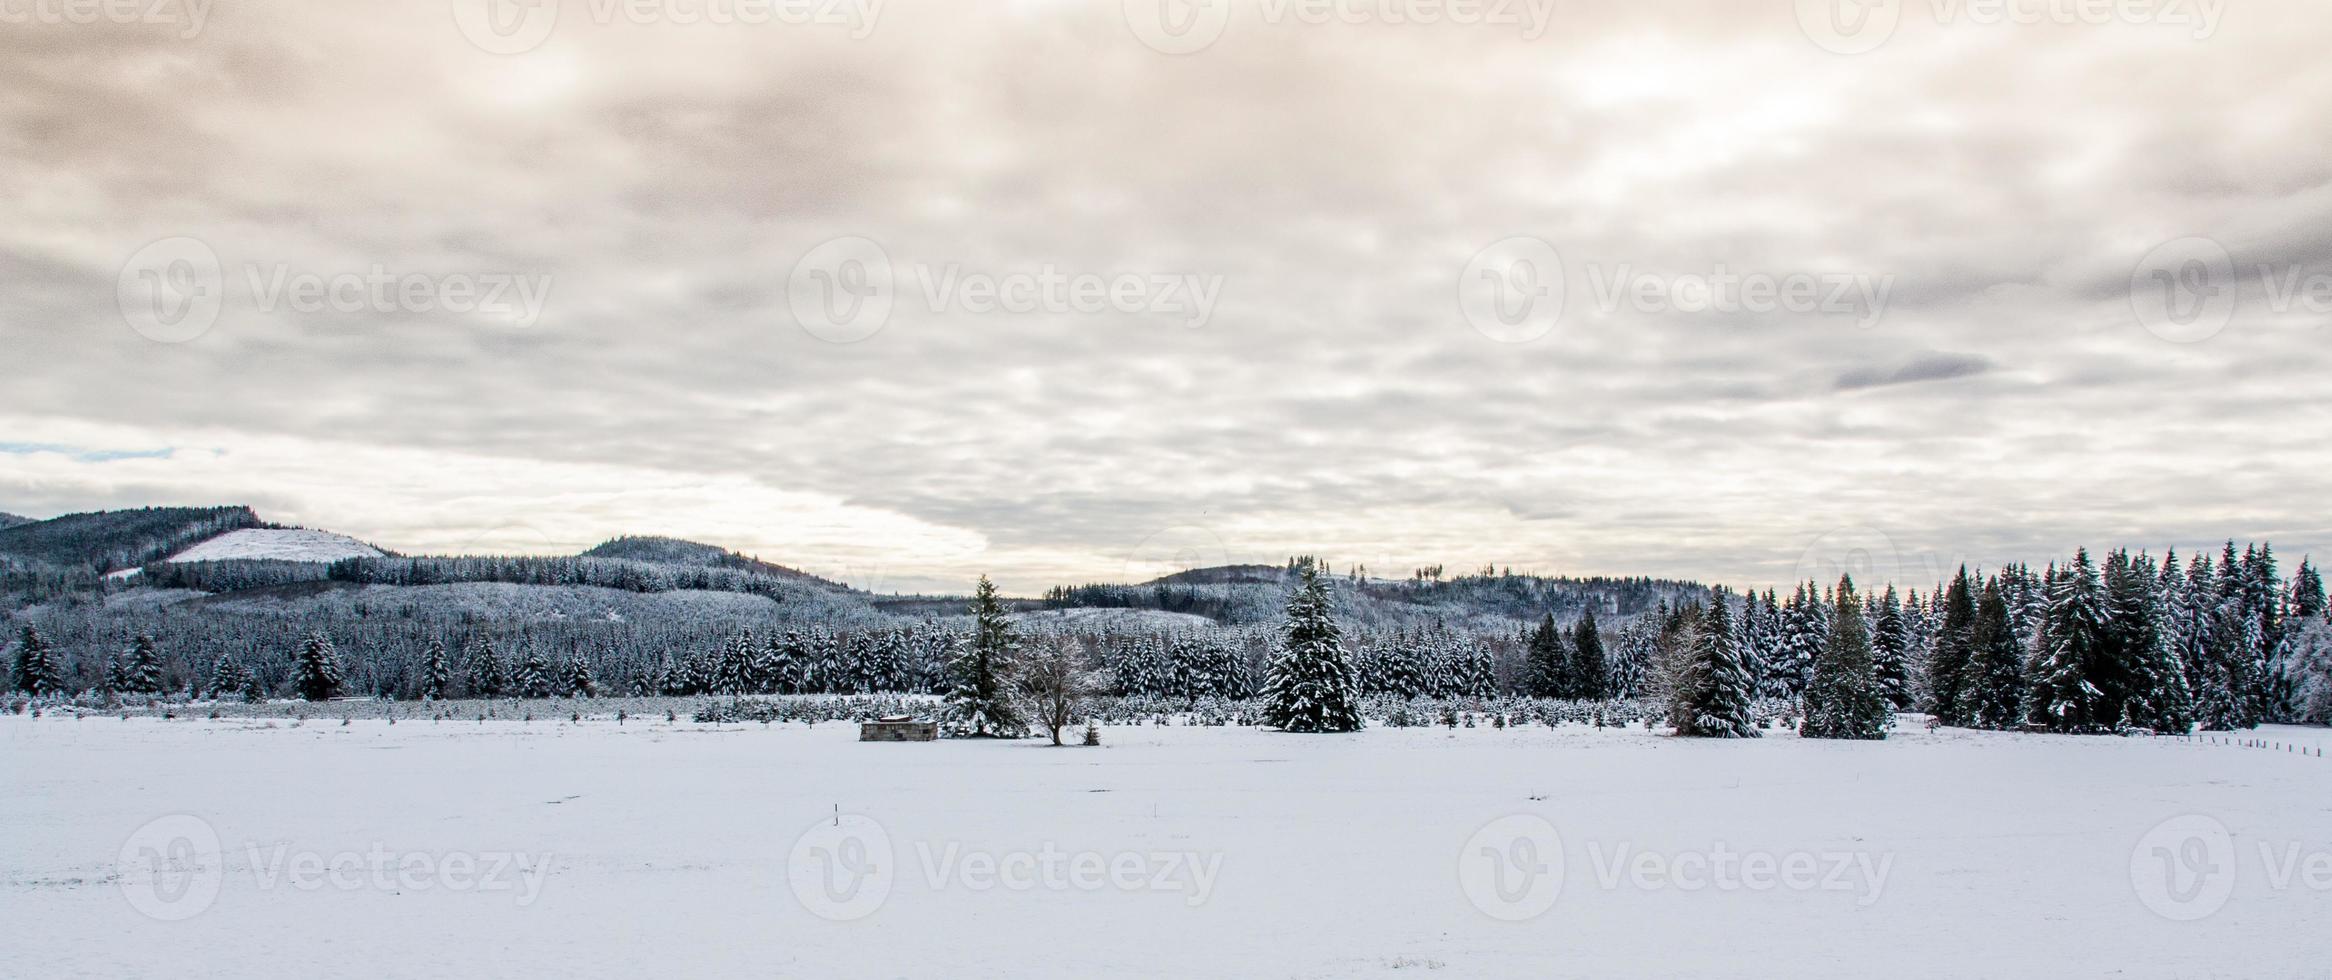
(1922, 367)
(1336, 178)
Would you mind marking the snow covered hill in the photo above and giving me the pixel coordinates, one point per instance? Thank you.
(286, 544)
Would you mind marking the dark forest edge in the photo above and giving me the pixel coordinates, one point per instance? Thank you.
(2129, 643)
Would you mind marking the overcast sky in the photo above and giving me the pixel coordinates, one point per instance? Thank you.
(1277, 321)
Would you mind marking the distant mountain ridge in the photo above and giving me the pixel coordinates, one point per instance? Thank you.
(228, 551)
(109, 540)
(679, 551)
(11, 520)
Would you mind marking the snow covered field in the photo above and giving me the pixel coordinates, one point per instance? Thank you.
(281, 544)
(676, 849)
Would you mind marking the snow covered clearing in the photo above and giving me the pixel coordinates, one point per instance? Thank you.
(279, 544)
(674, 849)
(1124, 620)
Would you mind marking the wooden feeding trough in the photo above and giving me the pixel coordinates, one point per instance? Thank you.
(898, 728)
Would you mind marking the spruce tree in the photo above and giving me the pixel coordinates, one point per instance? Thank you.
(1996, 689)
(1890, 649)
(436, 674)
(2227, 663)
(228, 677)
(2066, 694)
(143, 673)
(1768, 664)
(316, 670)
(2307, 594)
(1947, 667)
(1844, 700)
(534, 676)
(979, 697)
(580, 683)
(1713, 689)
(1588, 669)
(2150, 685)
(37, 670)
(1803, 631)
(1547, 663)
(1311, 686)
(486, 675)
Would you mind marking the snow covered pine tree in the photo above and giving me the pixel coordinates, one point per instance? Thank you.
(980, 689)
(1715, 688)
(1843, 699)
(1311, 686)
(435, 675)
(316, 671)
(37, 671)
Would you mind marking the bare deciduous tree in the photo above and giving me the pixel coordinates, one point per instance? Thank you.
(1056, 678)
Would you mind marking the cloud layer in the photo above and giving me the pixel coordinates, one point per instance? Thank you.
(1998, 183)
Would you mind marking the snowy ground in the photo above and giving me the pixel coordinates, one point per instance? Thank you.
(663, 849)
